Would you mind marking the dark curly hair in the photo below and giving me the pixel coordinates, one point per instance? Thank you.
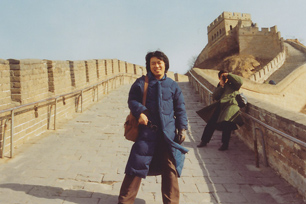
(159, 55)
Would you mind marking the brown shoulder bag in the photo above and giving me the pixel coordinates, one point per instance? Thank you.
(131, 123)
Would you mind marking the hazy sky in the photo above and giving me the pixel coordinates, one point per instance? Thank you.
(128, 29)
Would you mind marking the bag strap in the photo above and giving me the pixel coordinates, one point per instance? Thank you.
(145, 90)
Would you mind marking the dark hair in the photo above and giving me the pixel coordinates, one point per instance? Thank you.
(221, 72)
(159, 55)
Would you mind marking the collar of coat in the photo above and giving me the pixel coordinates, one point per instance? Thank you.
(151, 76)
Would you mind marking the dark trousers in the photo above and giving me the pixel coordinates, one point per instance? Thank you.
(212, 125)
(169, 186)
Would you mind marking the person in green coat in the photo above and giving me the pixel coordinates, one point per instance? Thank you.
(224, 113)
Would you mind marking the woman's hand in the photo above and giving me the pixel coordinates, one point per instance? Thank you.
(143, 119)
(180, 137)
(223, 79)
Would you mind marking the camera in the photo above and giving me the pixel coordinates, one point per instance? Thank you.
(223, 78)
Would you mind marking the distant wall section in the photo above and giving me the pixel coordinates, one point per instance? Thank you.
(36, 94)
(263, 44)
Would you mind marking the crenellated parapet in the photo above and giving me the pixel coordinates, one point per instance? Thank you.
(263, 74)
(255, 31)
(264, 44)
(236, 16)
(28, 80)
(225, 25)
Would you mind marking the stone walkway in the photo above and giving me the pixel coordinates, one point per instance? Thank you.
(294, 59)
(83, 163)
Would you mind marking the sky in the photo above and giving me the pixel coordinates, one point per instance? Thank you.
(127, 29)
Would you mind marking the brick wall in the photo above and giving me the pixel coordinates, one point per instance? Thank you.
(102, 69)
(62, 77)
(219, 48)
(140, 70)
(29, 81)
(91, 66)
(264, 44)
(276, 63)
(80, 74)
(285, 156)
(297, 46)
(5, 89)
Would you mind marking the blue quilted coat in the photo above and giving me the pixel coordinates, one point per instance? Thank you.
(166, 107)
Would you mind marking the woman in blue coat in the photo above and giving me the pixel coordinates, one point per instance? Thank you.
(157, 150)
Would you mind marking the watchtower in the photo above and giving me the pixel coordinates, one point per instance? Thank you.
(225, 23)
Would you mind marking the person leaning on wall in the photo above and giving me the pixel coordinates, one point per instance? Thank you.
(224, 113)
(157, 150)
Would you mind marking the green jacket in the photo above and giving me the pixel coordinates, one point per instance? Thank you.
(225, 97)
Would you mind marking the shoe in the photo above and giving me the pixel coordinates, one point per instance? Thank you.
(223, 147)
(202, 144)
